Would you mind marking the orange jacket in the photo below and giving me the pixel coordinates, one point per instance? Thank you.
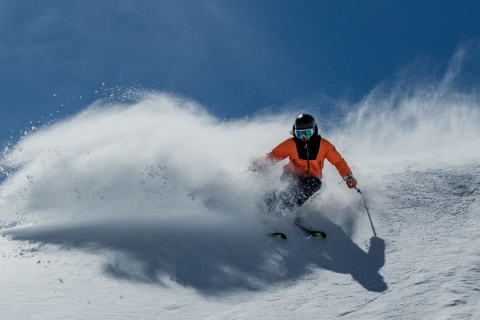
(308, 159)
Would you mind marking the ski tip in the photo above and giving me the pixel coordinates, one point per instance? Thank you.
(278, 235)
(319, 234)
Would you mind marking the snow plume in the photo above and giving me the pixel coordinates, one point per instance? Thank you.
(164, 155)
(416, 115)
(137, 159)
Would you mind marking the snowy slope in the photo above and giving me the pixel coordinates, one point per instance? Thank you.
(144, 211)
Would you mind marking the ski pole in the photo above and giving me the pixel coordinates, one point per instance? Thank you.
(368, 211)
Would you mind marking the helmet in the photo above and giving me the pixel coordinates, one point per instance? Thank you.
(304, 121)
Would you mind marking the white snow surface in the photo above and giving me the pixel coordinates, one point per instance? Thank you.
(144, 211)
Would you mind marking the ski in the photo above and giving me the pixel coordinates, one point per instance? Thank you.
(278, 235)
(312, 233)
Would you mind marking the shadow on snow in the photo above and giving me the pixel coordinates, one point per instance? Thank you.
(215, 257)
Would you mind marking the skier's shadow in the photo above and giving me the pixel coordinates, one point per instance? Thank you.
(340, 254)
(214, 258)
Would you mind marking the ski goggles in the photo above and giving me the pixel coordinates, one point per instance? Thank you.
(307, 133)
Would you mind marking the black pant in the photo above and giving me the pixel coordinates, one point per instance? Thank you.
(298, 191)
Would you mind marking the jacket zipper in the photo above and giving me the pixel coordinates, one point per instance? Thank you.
(308, 160)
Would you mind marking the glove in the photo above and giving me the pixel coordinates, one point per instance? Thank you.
(351, 181)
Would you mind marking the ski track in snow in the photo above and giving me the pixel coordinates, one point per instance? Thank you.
(210, 257)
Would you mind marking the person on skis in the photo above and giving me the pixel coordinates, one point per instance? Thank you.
(306, 152)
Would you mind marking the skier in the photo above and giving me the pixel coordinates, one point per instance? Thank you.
(307, 152)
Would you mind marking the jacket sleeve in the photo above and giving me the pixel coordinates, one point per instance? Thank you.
(334, 157)
(280, 152)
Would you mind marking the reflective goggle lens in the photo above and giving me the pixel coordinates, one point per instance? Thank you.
(307, 133)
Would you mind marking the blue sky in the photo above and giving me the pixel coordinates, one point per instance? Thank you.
(233, 57)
